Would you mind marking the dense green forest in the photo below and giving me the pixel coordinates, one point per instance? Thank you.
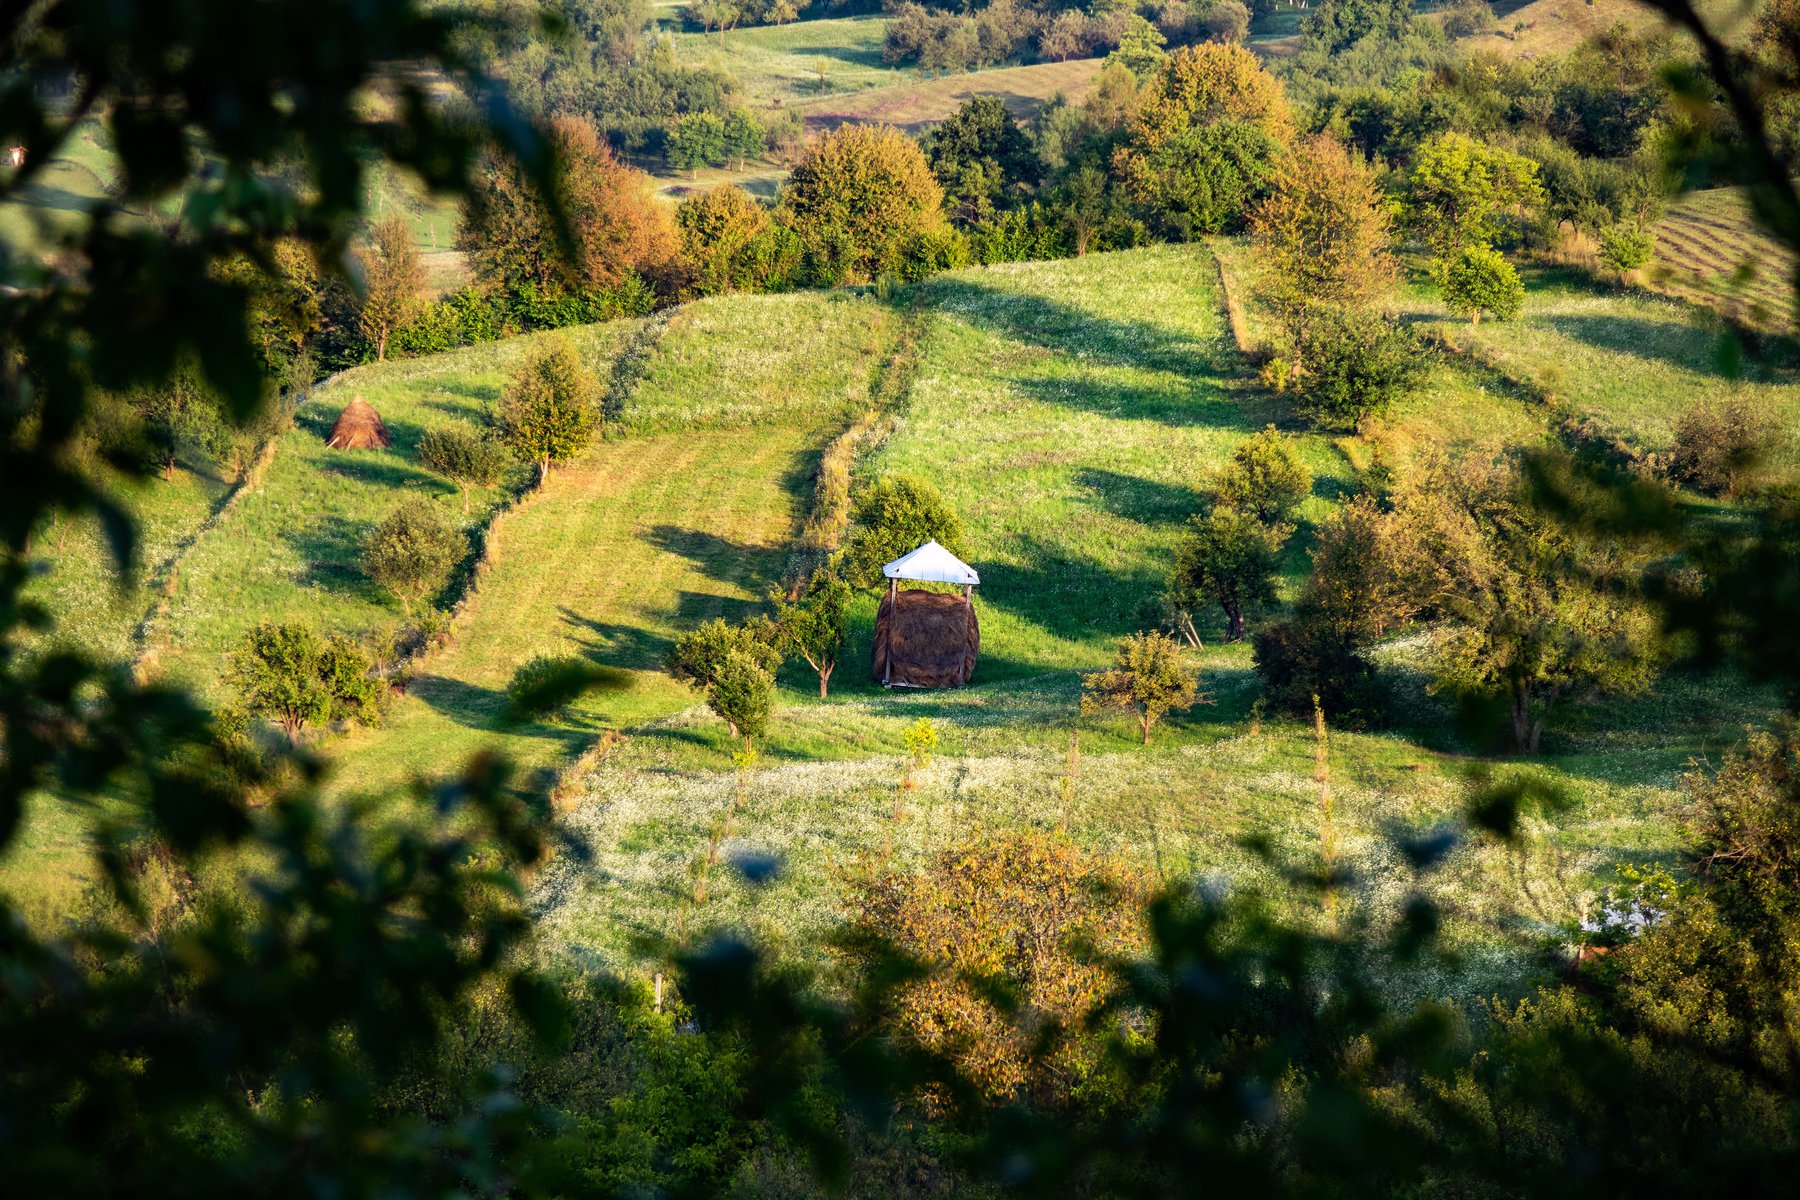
(445, 746)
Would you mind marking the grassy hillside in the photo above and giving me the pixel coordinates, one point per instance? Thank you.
(779, 64)
(1072, 412)
(912, 106)
(289, 550)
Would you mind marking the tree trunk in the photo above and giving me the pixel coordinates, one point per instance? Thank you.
(731, 725)
(543, 470)
(465, 490)
(381, 348)
(169, 468)
(825, 679)
(1476, 318)
(1234, 624)
(1522, 734)
(1144, 723)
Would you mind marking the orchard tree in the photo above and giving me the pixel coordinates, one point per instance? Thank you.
(743, 137)
(1149, 677)
(1323, 239)
(696, 140)
(412, 552)
(183, 414)
(616, 224)
(1265, 477)
(550, 410)
(699, 655)
(1626, 248)
(292, 676)
(860, 199)
(719, 228)
(1527, 611)
(1482, 281)
(1361, 364)
(896, 514)
(742, 693)
(1202, 139)
(816, 626)
(393, 280)
(1229, 558)
(1461, 192)
(464, 454)
(983, 159)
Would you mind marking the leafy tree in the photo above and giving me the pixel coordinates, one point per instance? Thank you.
(743, 137)
(720, 231)
(816, 626)
(393, 280)
(699, 655)
(1526, 611)
(463, 454)
(1323, 239)
(1202, 139)
(1026, 915)
(860, 199)
(1264, 477)
(894, 515)
(1360, 364)
(1720, 443)
(1149, 677)
(616, 225)
(984, 161)
(1140, 48)
(296, 678)
(549, 412)
(742, 693)
(1481, 280)
(697, 140)
(1339, 24)
(1303, 661)
(182, 414)
(1461, 191)
(412, 552)
(1626, 248)
(1229, 558)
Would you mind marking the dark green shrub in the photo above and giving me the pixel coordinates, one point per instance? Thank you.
(892, 516)
(1718, 444)
(412, 552)
(1356, 365)
(743, 694)
(1299, 659)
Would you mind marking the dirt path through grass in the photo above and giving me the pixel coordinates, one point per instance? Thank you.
(646, 537)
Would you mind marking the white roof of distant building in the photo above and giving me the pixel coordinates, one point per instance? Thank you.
(931, 563)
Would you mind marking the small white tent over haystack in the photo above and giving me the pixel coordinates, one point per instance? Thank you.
(927, 639)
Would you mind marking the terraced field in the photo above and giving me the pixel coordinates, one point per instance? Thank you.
(1709, 250)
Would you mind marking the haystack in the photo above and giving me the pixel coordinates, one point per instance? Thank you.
(927, 639)
(359, 427)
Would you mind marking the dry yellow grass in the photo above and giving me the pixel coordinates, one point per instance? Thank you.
(913, 105)
(1547, 27)
(1709, 250)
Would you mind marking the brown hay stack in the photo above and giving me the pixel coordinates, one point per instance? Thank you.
(934, 637)
(359, 427)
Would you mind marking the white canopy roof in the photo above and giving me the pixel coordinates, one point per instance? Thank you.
(931, 563)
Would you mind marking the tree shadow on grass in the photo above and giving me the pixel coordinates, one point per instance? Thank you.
(1053, 325)
(1176, 405)
(1145, 501)
(383, 469)
(330, 548)
(1688, 346)
(755, 568)
(1065, 595)
(487, 710)
(613, 645)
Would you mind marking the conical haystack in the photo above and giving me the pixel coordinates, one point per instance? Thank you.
(359, 427)
(925, 639)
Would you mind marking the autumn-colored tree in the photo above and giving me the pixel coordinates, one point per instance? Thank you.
(393, 279)
(860, 199)
(1461, 192)
(718, 228)
(1202, 138)
(616, 224)
(1265, 477)
(1028, 914)
(549, 411)
(1149, 678)
(1323, 238)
